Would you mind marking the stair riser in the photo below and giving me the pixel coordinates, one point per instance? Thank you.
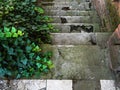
(74, 19)
(99, 39)
(68, 13)
(73, 28)
(66, 1)
(82, 6)
(72, 39)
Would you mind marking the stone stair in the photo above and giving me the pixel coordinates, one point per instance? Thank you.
(72, 15)
(79, 48)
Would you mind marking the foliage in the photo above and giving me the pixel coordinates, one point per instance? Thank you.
(22, 27)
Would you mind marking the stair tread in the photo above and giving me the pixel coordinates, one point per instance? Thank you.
(80, 38)
(79, 62)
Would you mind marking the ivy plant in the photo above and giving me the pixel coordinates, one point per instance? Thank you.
(23, 27)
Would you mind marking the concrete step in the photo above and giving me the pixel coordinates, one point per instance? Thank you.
(72, 19)
(69, 13)
(66, 1)
(67, 6)
(62, 3)
(94, 85)
(79, 62)
(80, 38)
(72, 38)
(76, 27)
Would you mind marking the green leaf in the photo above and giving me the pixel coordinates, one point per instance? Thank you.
(2, 72)
(33, 0)
(24, 61)
(45, 59)
(28, 48)
(44, 67)
(11, 51)
(15, 35)
(20, 33)
(38, 65)
(31, 55)
(38, 58)
(33, 44)
(40, 10)
(49, 62)
(6, 29)
(18, 76)
(2, 34)
(8, 34)
(13, 30)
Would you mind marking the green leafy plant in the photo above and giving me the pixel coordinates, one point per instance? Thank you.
(23, 27)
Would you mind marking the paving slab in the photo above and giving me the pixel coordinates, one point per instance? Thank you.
(28, 85)
(86, 85)
(59, 85)
(72, 19)
(68, 13)
(107, 85)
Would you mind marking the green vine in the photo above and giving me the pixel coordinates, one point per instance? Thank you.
(23, 27)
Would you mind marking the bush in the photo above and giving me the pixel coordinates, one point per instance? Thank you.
(23, 26)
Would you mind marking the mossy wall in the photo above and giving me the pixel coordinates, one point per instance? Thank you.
(112, 12)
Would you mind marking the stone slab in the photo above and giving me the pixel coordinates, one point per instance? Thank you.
(28, 85)
(86, 85)
(66, 6)
(107, 85)
(71, 38)
(76, 27)
(71, 19)
(79, 62)
(99, 39)
(59, 84)
(4, 85)
(68, 13)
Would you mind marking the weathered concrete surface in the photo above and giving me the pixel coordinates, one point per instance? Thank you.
(102, 38)
(86, 85)
(68, 13)
(4, 85)
(71, 38)
(72, 19)
(79, 62)
(115, 56)
(71, 5)
(59, 85)
(27, 85)
(75, 27)
(80, 39)
(107, 85)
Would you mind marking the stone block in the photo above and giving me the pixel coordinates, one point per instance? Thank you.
(71, 38)
(107, 85)
(86, 85)
(28, 85)
(59, 84)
